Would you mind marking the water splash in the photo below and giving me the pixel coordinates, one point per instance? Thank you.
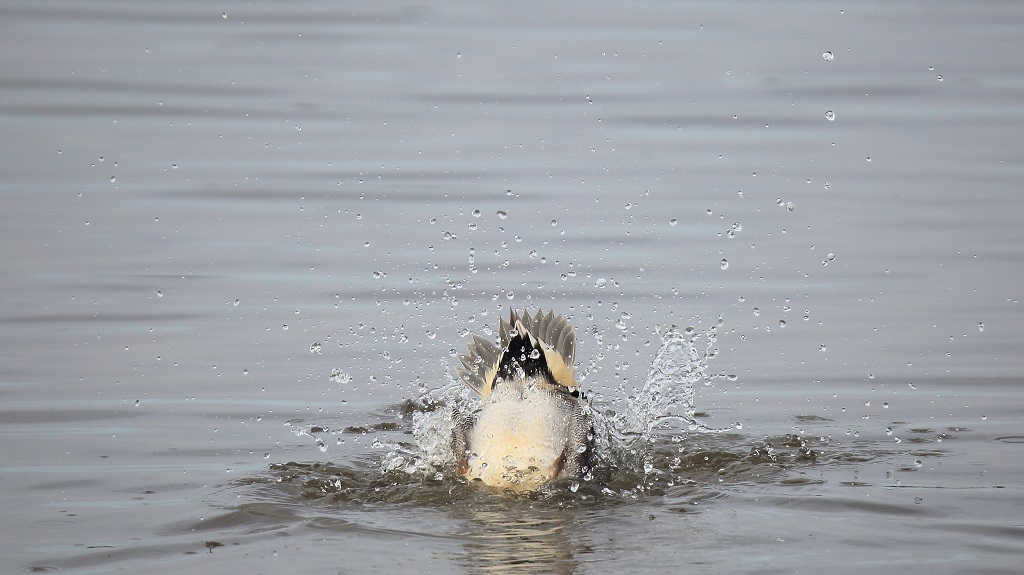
(433, 423)
(680, 366)
(623, 438)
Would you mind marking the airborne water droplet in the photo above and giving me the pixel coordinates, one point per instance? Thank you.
(827, 56)
(830, 115)
(724, 263)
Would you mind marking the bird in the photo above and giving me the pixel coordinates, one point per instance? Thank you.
(534, 424)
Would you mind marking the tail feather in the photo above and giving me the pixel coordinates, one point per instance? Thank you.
(549, 333)
(479, 366)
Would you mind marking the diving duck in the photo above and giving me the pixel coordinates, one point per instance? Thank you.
(534, 424)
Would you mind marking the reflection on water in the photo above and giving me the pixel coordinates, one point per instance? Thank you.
(513, 538)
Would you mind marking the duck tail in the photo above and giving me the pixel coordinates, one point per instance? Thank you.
(538, 344)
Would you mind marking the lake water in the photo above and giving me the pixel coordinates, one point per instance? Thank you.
(242, 242)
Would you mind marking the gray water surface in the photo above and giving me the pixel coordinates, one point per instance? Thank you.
(209, 210)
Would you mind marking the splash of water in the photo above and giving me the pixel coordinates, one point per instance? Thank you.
(623, 439)
(679, 367)
(432, 427)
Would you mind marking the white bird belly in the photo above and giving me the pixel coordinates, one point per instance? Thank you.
(518, 440)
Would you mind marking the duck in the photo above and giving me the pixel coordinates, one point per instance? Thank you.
(534, 424)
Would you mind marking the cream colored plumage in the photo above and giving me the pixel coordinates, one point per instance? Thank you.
(534, 424)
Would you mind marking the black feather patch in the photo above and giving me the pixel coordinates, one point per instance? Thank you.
(523, 359)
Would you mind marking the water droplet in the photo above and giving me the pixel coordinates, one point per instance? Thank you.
(502, 214)
(673, 222)
(159, 293)
(137, 402)
(554, 222)
(790, 206)
(601, 283)
(431, 335)
(377, 275)
(757, 311)
(981, 326)
(476, 213)
(316, 348)
(827, 56)
(510, 295)
(830, 116)
(782, 323)
(724, 263)
(738, 425)
(285, 327)
(224, 15)
(822, 347)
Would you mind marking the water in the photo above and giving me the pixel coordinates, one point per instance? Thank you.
(243, 243)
